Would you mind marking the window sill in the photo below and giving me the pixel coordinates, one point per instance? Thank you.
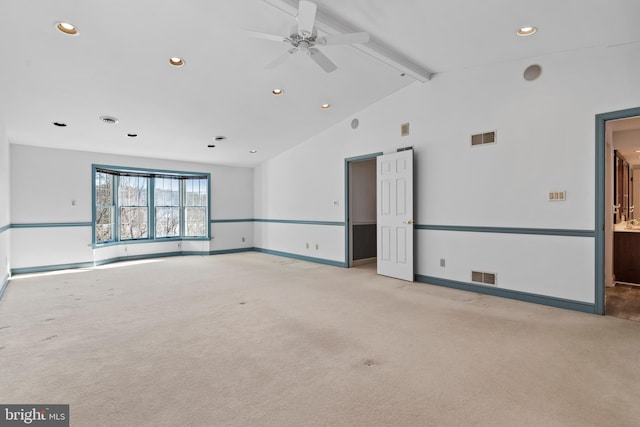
(160, 240)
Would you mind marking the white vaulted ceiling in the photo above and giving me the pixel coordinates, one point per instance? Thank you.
(118, 66)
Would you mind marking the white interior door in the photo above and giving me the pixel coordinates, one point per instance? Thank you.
(394, 191)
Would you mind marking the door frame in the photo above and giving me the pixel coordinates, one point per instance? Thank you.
(347, 203)
(600, 193)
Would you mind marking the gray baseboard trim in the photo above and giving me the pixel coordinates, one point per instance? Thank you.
(230, 251)
(3, 286)
(46, 268)
(301, 257)
(138, 257)
(89, 264)
(510, 294)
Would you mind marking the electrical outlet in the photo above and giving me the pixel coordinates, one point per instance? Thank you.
(317, 246)
(557, 196)
(307, 246)
(442, 262)
(243, 239)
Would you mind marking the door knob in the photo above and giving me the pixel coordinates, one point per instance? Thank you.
(409, 222)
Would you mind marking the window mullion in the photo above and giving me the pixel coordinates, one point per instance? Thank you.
(117, 221)
(182, 196)
(151, 208)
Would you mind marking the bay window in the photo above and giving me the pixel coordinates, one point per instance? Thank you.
(131, 204)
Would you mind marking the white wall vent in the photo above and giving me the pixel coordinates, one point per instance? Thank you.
(483, 138)
(483, 277)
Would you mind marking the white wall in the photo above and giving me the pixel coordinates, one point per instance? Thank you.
(546, 142)
(4, 206)
(45, 182)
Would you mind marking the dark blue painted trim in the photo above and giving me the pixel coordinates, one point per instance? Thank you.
(301, 257)
(510, 294)
(509, 230)
(5, 228)
(599, 213)
(45, 268)
(292, 221)
(363, 157)
(138, 257)
(3, 286)
(149, 170)
(600, 208)
(231, 251)
(51, 224)
(213, 221)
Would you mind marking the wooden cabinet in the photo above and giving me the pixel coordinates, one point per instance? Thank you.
(626, 255)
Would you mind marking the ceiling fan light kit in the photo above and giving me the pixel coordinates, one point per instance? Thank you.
(304, 38)
(330, 25)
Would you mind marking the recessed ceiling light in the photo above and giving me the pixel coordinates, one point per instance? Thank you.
(132, 135)
(220, 138)
(67, 28)
(637, 151)
(60, 124)
(526, 31)
(325, 106)
(253, 151)
(277, 92)
(176, 61)
(109, 120)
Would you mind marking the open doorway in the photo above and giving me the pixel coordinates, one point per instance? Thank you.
(622, 222)
(379, 213)
(360, 211)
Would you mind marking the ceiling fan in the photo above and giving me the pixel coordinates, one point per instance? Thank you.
(304, 38)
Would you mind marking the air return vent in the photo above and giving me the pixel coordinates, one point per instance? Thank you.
(482, 277)
(483, 138)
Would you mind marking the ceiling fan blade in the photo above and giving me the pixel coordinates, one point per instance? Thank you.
(350, 38)
(278, 61)
(306, 17)
(265, 36)
(320, 59)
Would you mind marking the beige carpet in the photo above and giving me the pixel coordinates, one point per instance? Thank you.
(256, 340)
